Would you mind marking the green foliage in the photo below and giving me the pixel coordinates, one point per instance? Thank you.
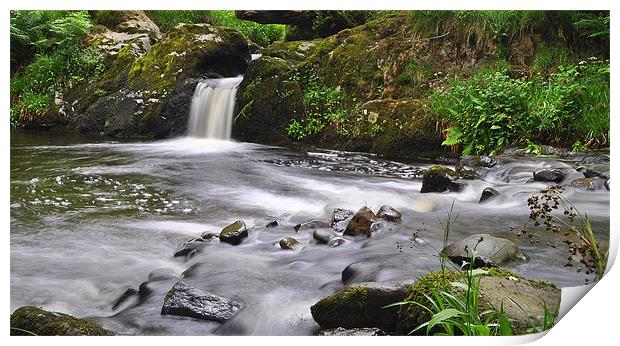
(532, 148)
(262, 34)
(61, 60)
(492, 109)
(166, 20)
(483, 111)
(322, 106)
(594, 26)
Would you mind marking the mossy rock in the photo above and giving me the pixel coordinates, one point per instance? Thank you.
(496, 288)
(29, 320)
(190, 50)
(360, 305)
(128, 21)
(439, 179)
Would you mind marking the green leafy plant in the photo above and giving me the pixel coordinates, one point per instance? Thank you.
(62, 60)
(493, 109)
(322, 106)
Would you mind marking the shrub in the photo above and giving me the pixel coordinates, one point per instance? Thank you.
(61, 60)
(492, 109)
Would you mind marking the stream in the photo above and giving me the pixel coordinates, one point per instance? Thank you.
(90, 219)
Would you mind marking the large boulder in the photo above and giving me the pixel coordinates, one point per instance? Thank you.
(549, 175)
(361, 305)
(188, 301)
(361, 223)
(498, 289)
(234, 233)
(30, 320)
(132, 22)
(439, 179)
(490, 251)
(148, 95)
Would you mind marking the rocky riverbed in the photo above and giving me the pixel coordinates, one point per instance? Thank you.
(190, 236)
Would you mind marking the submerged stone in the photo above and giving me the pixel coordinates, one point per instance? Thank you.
(188, 301)
(30, 320)
(234, 233)
(309, 225)
(323, 235)
(360, 272)
(288, 243)
(361, 223)
(590, 184)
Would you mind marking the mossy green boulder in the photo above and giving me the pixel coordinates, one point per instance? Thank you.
(439, 179)
(360, 305)
(30, 320)
(498, 289)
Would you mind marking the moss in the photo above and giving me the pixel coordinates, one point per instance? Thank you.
(339, 309)
(37, 321)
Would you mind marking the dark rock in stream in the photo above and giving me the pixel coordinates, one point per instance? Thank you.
(549, 175)
(341, 218)
(234, 233)
(361, 222)
(324, 235)
(309, 225)
(360, 272)
(440, 179)
(488, 193)
(352, 332)
(361, 305)
(29, 320)
(272, 224)
(188, 301)
(490, 251)
(125, 297)
(388, 213)
(288, 243)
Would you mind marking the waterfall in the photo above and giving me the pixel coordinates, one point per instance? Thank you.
(212, 108)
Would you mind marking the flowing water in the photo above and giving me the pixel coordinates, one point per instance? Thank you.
(211, 112)
(91, 219)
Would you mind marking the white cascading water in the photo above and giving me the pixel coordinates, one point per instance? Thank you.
(213, 104)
